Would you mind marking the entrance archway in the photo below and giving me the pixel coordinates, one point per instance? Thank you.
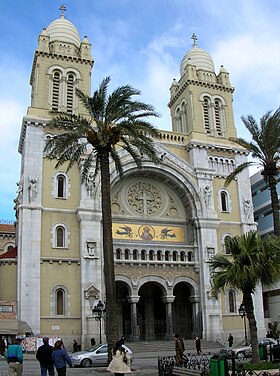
(151, 312)
(183, 310)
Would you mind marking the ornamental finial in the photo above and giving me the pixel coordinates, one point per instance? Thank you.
(63, 9)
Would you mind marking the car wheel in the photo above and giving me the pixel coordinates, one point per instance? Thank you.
(86, 363)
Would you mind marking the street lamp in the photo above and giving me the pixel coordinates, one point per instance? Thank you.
(243, 314)
(98, 312)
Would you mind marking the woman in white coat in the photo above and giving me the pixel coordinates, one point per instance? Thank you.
(120, 363)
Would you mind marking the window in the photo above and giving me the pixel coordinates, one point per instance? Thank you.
(217, 111)
(118, 254)
(151, 255)
(56, 90)
(60, 302)
(231, 301)
(174, 257)
(143, 254)
(158, 255)
(60, 236)
(60, 186)
(206, 114)
(182, 256)
(126, 254)
(189, 256)
(166, 255)
(135, 254)
(224, 201)
(70, 93)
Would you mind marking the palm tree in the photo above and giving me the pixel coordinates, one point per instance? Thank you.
(114, 121)
(250, 260)
(265, 147)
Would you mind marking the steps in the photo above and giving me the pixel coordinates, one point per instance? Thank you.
(160, 346)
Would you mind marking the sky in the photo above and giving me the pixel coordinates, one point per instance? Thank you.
(141, 43)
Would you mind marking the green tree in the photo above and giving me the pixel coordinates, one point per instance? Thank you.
(250, 260)
(264, 147)
(113, 121)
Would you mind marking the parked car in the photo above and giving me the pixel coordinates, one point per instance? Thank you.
(245, 351)
(94, 356)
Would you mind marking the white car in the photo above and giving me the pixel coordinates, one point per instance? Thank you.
(94, 356)
(245, 351)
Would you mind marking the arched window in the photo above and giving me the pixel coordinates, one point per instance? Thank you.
(224, 201)
(60, 302)
(158, 255)
(151, 255)
(70, 93)
(166, 256)
(126, 254)
(206, 114)
(217, 110)
(232, 301)
(184, 118)
(60, 186)
(174, 256)
(135, 254)
(182, 256)
(143, 254)
(56, 90)
(178, 120)
(189, 256)
(118, 254)
(60, 236)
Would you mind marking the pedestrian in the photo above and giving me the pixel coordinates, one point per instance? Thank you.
(198, 345)
(44, 356)
(60, 358)
(230, 340)
(179, 349)
(75, 346)
(2, 347)
(120, 363)
(14, 357)
(92, 341)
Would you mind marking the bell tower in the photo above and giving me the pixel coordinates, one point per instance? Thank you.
(62, 63)
(201, 101)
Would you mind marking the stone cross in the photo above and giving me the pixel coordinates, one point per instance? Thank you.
(63, 9)
(194, 38)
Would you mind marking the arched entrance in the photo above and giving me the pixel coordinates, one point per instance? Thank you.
(183, 311)
(124, 311)
(151, 312)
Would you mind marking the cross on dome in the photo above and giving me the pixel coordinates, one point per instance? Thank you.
(194, 38)
(63, 9)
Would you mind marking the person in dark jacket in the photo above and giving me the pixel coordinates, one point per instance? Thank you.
(44, 356)
(60, 358)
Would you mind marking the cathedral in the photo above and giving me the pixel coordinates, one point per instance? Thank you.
(168, 219)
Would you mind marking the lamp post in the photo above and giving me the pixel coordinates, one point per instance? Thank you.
(243, 314)
(98, 313)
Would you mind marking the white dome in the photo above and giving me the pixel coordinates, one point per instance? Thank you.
(198, 57)
(63, 30)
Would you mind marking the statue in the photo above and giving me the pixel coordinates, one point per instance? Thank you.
(90, 183)
(248, 208)
(32, 189)
(207, 195)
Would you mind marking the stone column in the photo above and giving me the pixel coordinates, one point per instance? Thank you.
(168, 300)
(135, 331)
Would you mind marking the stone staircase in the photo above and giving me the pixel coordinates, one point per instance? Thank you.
(168, 346)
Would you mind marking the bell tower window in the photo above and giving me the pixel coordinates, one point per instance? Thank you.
(206, 114)
(217, 109)
(56, 90)
(70, 93)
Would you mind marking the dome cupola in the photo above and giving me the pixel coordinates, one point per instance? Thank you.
(198, 57)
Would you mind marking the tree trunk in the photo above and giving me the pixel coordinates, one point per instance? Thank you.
(274, 204)
(249, 307)
(109, 266)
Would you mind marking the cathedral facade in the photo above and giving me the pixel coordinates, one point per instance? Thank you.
(168, 219)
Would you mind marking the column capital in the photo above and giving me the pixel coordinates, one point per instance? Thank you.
(168, 298)
(133, 299)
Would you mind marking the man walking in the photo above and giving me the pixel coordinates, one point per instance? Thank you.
(44, 356)
(14, 357)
